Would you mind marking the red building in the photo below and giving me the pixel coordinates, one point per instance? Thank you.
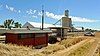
(26, 37)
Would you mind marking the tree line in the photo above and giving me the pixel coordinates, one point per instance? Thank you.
(10, 23)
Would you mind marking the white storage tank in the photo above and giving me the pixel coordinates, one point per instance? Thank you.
(66, 21)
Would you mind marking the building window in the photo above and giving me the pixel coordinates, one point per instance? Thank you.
(20, 36)
(40, 35)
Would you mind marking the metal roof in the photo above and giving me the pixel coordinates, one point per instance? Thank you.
(24, 30)
(38, 25)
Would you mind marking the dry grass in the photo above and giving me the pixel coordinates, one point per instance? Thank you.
(14, 50)
(52, 49)
(69, 42)
(98, 50)
(60, 46)
(82, 51)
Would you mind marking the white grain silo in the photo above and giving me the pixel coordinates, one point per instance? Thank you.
(66, 21)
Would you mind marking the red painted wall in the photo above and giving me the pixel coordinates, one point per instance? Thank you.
(26, 41)
(13, 38)
(41, 40)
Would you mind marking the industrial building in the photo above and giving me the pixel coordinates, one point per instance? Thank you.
(66, 22)
(61, 30)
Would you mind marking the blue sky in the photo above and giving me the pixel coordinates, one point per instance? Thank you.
(83, 12)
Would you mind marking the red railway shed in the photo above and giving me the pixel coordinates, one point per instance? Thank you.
(26, 37)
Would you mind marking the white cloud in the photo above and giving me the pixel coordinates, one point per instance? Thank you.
(10, 8)
(7, 7)
(34, 16)
(31, 11)
(34, 11)
(74, 19)
(40, 13)
(19, 11)
(80, 19)
(51, 15)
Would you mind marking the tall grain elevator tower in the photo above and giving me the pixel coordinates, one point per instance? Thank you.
(66, 21)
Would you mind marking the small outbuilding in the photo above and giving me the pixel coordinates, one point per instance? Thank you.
(27, 37)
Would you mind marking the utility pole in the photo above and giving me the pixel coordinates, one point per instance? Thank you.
(42, 17)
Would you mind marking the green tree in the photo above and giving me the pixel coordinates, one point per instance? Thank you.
(8, 23)
(17, 25)
(11, 24)
(91, 30)
(1, 26)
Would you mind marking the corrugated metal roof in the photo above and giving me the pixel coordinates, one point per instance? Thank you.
(38, 25)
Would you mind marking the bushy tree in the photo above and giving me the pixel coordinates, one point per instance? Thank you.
(1, 26)
(8, 23)
(17, 25)
(11, 24)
